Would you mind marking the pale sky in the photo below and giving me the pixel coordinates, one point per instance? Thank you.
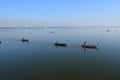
(59, 13)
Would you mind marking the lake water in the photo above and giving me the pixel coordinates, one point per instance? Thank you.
(39, 59)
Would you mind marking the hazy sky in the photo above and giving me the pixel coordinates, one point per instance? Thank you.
(59, 13)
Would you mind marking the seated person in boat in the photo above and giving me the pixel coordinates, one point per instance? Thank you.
(24, 40)
(60, 44)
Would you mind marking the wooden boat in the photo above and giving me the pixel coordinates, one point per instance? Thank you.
(0, 42)
(89, 46)
(51, 32)
(60, 44)
(24, 40)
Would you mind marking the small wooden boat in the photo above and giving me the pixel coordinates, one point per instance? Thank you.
(89, 46)
(24, 40)
(60, 44)
(51, 32)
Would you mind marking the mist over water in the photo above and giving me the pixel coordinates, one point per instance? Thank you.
(39, 59)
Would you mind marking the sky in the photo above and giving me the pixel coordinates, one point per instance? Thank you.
(19, 13)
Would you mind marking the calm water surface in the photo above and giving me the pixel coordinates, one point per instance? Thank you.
(39, 59)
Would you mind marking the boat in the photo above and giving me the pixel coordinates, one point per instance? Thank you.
(24, 40)
(51, 32)
(85, 45)
(60, 44)
(0, 42)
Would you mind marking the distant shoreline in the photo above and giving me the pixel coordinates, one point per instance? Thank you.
(65, 27)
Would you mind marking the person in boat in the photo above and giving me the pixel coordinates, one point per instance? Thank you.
(60, 44)
(24, 40)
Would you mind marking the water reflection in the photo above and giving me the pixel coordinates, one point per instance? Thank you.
(41, 60)
(85, 49)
